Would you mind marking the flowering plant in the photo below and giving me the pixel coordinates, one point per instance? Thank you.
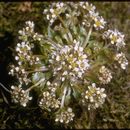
(70, 64)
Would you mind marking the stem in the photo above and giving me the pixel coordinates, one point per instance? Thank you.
(108, 45)
(38, 70)
(69, 91)
(4, 88)
(63, 97)
(35, 85)
(50, 41)
(68, 32)
(62, 22)
(87, 38)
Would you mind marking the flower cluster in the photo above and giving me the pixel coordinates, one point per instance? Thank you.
(20, 96)
(105, 75)
(99, 21)
(20, 73)
(54, 10)
(24, 59)
(28, 30)
(120, 57)
(94, 96)
(115, 37)
(49, 101)
(28, 33)
(65, 116)
(24, 49)
(24, 54)
(69, 61)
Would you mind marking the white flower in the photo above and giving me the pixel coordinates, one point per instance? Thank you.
(120, 57)
(17, 69)
(94, 96)
(65, 116)
(105, 75)
(87, 6)
(93, 15)
(16, 58)
(20, 96)
(99, 22)
(52, 10)
(55, 9)
(49, 101)
(48, 83)
(30, 26)
(115, 37)
(70, 61)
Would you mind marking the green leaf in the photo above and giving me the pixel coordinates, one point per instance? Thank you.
(37, 76)
(67, 99)
(75, 93)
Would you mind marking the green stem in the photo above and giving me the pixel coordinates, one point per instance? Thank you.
(35, 85)
(88, 36)
(68, 31)
(69, 92)
(63, 98)
(38, 70)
